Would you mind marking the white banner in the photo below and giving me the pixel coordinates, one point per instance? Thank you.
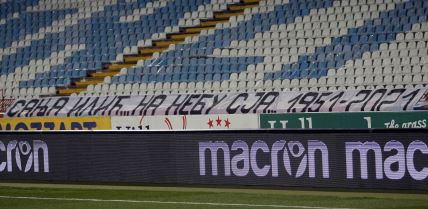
(225, 103)
(186, 122)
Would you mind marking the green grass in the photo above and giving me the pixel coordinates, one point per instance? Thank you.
(197, 195)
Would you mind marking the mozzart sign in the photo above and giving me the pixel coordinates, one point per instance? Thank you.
(231, 103)
(55, 123)
(382, 160)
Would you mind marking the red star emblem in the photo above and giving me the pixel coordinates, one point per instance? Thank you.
(227, 123)
(218, 121)
(210, 123)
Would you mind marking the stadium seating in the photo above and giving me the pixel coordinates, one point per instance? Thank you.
(136, 47)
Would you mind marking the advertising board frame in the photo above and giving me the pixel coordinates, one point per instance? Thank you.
(207, 178)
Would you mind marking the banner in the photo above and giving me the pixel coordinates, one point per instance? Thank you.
(55, 123)
(4, 104)
(422, 104)
(183, 122)
(229, 103)
(349, 159)
(344, 120)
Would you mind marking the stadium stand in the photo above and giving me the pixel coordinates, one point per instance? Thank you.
(137, 47)
(292, 95)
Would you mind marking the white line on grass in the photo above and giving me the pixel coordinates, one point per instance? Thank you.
(169, 202)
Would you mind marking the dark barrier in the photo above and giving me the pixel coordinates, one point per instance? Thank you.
(385, 159)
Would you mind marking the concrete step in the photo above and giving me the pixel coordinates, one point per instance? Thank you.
(168, 42)
(88, 81)
(103, 74)
(181, 36)
(152, 49)
(198, 28)
(69, 91)
(242, 6)
(136, 57)
(250, 1)
(228, 14)
(213, 22)
(118, 66)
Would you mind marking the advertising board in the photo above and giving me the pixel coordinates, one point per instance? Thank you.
(186, 122)
(346, 120)
(55, 123)
(387, 159)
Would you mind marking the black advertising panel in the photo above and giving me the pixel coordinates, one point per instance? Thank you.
(384, 159)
